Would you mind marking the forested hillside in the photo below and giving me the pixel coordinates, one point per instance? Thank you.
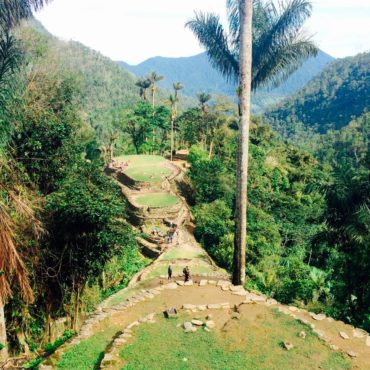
(329, 101)
(104, 88)
(198, 75)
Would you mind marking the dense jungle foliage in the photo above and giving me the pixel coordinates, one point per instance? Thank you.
(308, 216)
(329, 101)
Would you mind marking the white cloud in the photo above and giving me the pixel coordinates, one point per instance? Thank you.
(134, 30)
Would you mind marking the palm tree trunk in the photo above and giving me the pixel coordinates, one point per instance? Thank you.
(245, 76)
(76, 308)
(171, 138)
(3, 340)
(210, 149)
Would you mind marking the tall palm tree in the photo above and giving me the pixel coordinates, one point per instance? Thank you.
(153, 78)
(279, 48)
(143, 84)
(177, 86)
(173, 100)
(203, 99)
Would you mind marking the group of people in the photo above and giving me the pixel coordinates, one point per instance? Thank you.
(120, 166)
(168, 237)
(186, 272)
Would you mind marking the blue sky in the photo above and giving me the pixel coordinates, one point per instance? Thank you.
(134, 30)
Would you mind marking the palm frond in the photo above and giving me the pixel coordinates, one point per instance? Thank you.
(281, 62)
(13, 11)
(10, 56)
(211, 35)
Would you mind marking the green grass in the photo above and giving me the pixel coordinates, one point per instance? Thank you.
(183, 253)
(163, 346)
(148, 173)
(147, 168)
(140, 159)
(157, 200)
(88, 353)
(177, 270)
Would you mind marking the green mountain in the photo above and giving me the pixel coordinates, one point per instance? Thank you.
(329, 101)
(197, 74)
(104, 87)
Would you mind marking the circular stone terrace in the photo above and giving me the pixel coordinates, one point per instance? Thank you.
(144, 168)
(146, 181)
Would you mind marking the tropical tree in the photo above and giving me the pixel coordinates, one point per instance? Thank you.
(177, 86)
(12, 267)
(203, 99)
(153, 78)
(279, 48)
(143, 84)
(173, 100)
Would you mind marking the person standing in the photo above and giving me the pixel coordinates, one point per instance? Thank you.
(169, 271)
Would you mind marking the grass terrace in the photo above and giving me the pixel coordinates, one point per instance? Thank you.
(240, 344)
(156, 200)
(146, 168)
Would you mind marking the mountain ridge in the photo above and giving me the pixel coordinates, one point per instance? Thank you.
(197, 74)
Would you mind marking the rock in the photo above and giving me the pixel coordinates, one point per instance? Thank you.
(197, 322)
(170, 313)
(239, 292)
(127, 331)
(207, 329)
(293, 309)
(223, 283)
(368, 341)
(303, 321)
(119, 341)
(150, 316)
(235, 316)
(189, 283)
(214, 306)
(236, 288)
(188, 306)
(180, 282)
(271, 302)
(358, 333)
(203, 282)
(188, 326)
(302, 334)
(170, 286)
(256, 298)
(202, 307)
(344, 335)
(288, 346)
(320, 334)
(225, 288)
(225, 305)
(330, 319)
(178, 325)
(212, 282)
(352, 354)
(125, 335)
(209, 316)
(312, 326)
(318, 317)
(210, 324)
(334, 347)
(143, 319)
(45, 367)
(154, 291)
(185, 359)
(135, 323)
(108, 360)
